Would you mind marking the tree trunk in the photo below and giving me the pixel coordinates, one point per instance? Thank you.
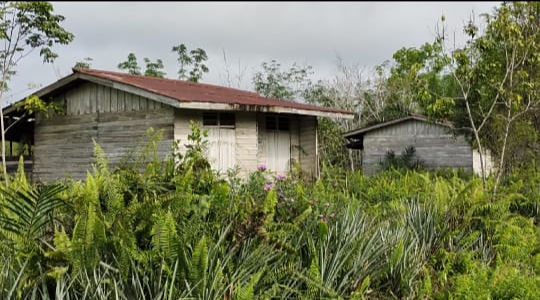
(480, 149)
(4, 168)
(351, 159)
(503, 150)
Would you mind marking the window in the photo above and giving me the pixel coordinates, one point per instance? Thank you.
(280, 123)
(219, 119)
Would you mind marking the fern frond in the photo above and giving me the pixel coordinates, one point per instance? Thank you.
(199, 265)
(165, 237)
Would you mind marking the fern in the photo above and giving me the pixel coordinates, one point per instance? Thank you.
(165, 237)
(88, 238)
(199, 265)
(247, 292)
(268, 206)
(313, 273)
(89, 231)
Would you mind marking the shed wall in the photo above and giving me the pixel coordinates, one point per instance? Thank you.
(435, 145)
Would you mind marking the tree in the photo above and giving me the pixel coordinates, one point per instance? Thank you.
(24, 27)
(153, 69)
(272, 82)
(194, 58)
(86, 63)
(497, 80)
(339, 93)
(228, 78)
(130, 65)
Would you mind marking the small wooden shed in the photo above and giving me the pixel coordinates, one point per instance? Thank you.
(436, 144)
(116, 109)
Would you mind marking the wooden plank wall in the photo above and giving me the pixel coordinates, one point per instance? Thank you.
(308, 143)
(117, 120)
(435, 145)
(246, 143)
(294, 125)
(261, 140)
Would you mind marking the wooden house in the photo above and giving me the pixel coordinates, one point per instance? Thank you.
(436, 144)
(116, 109)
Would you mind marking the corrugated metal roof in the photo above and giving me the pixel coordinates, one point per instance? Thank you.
(358, 133)
(185, 91)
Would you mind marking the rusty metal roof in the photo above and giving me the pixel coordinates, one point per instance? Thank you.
(185, 91)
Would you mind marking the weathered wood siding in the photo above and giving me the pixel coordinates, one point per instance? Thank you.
(308, 155)
(489, 165)
(435, 145)
(246, 143)
(116, 120)
(261, 139)
(295, 123)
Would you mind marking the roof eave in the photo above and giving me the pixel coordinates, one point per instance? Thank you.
(260, 108)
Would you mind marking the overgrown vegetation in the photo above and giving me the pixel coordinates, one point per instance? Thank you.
(149, 229)
(173, 229)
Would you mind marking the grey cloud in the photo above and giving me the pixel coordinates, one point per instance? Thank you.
(308, 33)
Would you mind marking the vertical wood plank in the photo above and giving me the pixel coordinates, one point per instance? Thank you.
(143, 103)
(121, 101)
(114, 100)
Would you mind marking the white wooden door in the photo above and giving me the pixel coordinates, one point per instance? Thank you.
(213, 147)
(227, 149)
(278, 151)
(221, 151)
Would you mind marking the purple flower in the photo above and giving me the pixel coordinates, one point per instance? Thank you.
(268, 186)
(280, 177)
(332, 215)
(262, 168)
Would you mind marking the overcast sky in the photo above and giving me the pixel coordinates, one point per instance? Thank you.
(313, 34)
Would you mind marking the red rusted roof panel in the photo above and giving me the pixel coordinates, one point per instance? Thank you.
(186, 91)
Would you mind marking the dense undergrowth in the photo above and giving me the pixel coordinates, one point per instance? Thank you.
(162, 230)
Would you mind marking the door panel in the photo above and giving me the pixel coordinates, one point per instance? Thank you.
(284, 151)
(221, 152)
(227, 148)
(212, 152)
(278, 150)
